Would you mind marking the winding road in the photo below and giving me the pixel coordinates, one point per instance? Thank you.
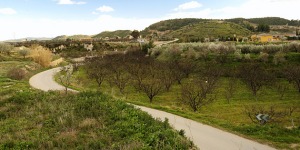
(204, 136)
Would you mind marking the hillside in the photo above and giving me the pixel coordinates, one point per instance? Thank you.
(76, 37)
(209, 29)
(266, 20)
(173, 24)
(31, 120)
(166, 26)
(112, 34)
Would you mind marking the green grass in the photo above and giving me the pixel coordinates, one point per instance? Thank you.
(227, 116)
(89, 120)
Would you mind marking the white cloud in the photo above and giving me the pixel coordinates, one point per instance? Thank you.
(105, 8)
(69, 2)
(188, 5)
(7, 11)
(249, 9)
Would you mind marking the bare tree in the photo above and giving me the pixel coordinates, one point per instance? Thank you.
(118, 73)
(152, 85)
(281, 89)
(182, 68)
(255, 77)
(168, 75)
(292, 73)
(96, 69)
(230, 88)
(195, 94)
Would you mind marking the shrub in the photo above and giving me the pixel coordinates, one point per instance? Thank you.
(256, 49)
(247, 56)
(238, 55)
(16, 74)
(264, 57)
(279, 57)
(244, 48)
(272, 49)
(294, 47)
(41, 55)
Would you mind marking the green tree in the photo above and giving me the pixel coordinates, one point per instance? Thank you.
(135, 34)
(6, 48)
(263, 28)
(24, 52)
(65, 78)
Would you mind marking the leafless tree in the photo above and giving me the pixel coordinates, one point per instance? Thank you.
(152, 85)
(292, 73)
(255, 77)
(230, 88)
(118, 73)
(96, 69)
(195, 94)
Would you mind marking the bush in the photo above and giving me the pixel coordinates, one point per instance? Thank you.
(294, 47)
(264, 57)
(238, 55)
(279, 57)
(16, 74)
(256, 49)
(247, 56)
(272, 49)
(41, 55)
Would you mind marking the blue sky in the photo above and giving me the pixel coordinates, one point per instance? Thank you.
(50, 18)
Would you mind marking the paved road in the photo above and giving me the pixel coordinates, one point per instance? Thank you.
(45, 80)
(204, 136)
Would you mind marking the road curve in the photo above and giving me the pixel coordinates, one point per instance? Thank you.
(45, 80)
(204, 136)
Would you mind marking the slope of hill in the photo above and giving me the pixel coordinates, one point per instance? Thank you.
(32, 120)
(76, 37)
(173, 24)
(209, 29)
(112, 34)
(266, 20)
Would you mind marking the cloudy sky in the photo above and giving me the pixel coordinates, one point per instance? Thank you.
(50, 18)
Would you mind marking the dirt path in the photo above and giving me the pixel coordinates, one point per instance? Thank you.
(204, 136)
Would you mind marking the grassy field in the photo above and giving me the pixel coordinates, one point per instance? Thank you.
(31, 119)
(227, 116)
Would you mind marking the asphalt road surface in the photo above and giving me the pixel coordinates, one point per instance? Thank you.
(204, 136)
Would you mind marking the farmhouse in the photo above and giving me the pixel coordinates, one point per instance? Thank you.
(265, 38)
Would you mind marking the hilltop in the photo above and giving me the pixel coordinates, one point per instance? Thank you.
(266, 20)
(209, 29)
(76, 37)
(112, 34)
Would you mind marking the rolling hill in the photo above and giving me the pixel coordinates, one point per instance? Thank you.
(266, 20)
(209, 29)
(76, 37)
(112, 34)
